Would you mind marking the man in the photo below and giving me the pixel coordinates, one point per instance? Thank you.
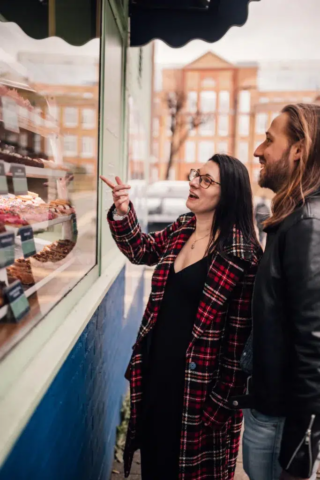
(282, 429)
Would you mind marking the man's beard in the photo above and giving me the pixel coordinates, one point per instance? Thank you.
(275, 174)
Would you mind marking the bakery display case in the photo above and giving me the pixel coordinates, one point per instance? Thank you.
(47, 200)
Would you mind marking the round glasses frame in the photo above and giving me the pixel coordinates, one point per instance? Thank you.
(205, 181)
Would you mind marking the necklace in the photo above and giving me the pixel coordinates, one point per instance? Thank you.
(193, 244)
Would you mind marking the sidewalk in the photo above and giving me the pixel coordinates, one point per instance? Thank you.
(117, 473)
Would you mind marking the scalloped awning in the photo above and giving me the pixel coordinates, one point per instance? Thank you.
(177, 22)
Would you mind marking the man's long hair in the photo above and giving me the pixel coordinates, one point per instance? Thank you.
(304, 126)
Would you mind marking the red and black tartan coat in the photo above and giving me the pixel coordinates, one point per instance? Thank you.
(210, 435)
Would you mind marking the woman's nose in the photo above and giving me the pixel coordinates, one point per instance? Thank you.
(195, 182)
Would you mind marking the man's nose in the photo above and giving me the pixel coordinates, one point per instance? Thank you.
(258, 151)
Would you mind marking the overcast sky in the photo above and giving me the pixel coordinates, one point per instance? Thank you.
(275, 30)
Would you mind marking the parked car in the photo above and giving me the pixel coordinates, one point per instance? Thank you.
(166, 200)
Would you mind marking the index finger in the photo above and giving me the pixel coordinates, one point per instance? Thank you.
(107, 182)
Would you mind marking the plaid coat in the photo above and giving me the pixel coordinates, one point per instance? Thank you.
(210, 433)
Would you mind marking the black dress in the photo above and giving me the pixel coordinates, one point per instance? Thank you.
(165, 371)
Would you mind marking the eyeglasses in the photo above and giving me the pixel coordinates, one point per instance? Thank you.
(205, 181)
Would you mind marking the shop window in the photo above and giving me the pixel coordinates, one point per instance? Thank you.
(192, 102)
(48, 221)
(87, 150)
(206, 151)
(243, 152)
(190, 152)
(223, 125)
(207, 129)
(261, 123)
(244, 101)
(244, 125)
(224, 101)
(156, 127)
(71, 117)
(88, 118)
(208, 101)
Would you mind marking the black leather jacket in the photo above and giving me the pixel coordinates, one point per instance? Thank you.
(286, 335)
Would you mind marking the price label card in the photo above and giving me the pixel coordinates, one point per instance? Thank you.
(17, 300)
(3, 180)
(6, 249)
(10, 114)
(74, 228)
(27, 241)
(19, 178)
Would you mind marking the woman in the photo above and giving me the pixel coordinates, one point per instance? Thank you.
(185, 363)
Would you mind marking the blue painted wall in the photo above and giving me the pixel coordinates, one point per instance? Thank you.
(71, 435)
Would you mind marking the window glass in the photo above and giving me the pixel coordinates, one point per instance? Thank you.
(192, 103)
(207, 129)
(206, 151)
(261, 123)
(224, 101)
(243, 152)
(244, 101)
(223, 125)
(208, 101)
(49, 110)
(223, 147)
(244, 125)
(190, 152)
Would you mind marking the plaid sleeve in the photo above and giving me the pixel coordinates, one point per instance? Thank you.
(140, 248)
(231, 380)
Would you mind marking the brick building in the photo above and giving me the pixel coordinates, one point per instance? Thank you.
(238, 113)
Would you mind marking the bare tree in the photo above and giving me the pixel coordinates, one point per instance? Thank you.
(182, 123)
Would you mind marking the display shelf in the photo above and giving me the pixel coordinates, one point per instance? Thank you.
(36, 172)
(3, 311)
(41, 225)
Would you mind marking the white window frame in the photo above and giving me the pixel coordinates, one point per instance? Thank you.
(208, 129)
(192, 101)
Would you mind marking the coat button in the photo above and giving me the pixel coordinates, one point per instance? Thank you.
(193, 366)
(235, 403)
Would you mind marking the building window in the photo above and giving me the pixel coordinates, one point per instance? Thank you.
(135, 150)
(190, 152)
(243, 152)
(70, 145)
(244, 101)
(206, 151)
(167, 149)
(307, 100)
(264, 100)
(274, 115)
(223, 125)
(261, 123)
(256, 174)
(207, 129)
(172, 173)
(169, 126)
(155, 149)
(208, 100)
(88, 118)
(54, 111)
(71, 118)
(208, 82)
(87, 148)
(244, 125)
(156, 127)
(224, 101)
(192, 102)
(37, 144)
(223, 148)
(89, 168)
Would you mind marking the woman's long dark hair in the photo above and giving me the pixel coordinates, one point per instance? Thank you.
(235, 208)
